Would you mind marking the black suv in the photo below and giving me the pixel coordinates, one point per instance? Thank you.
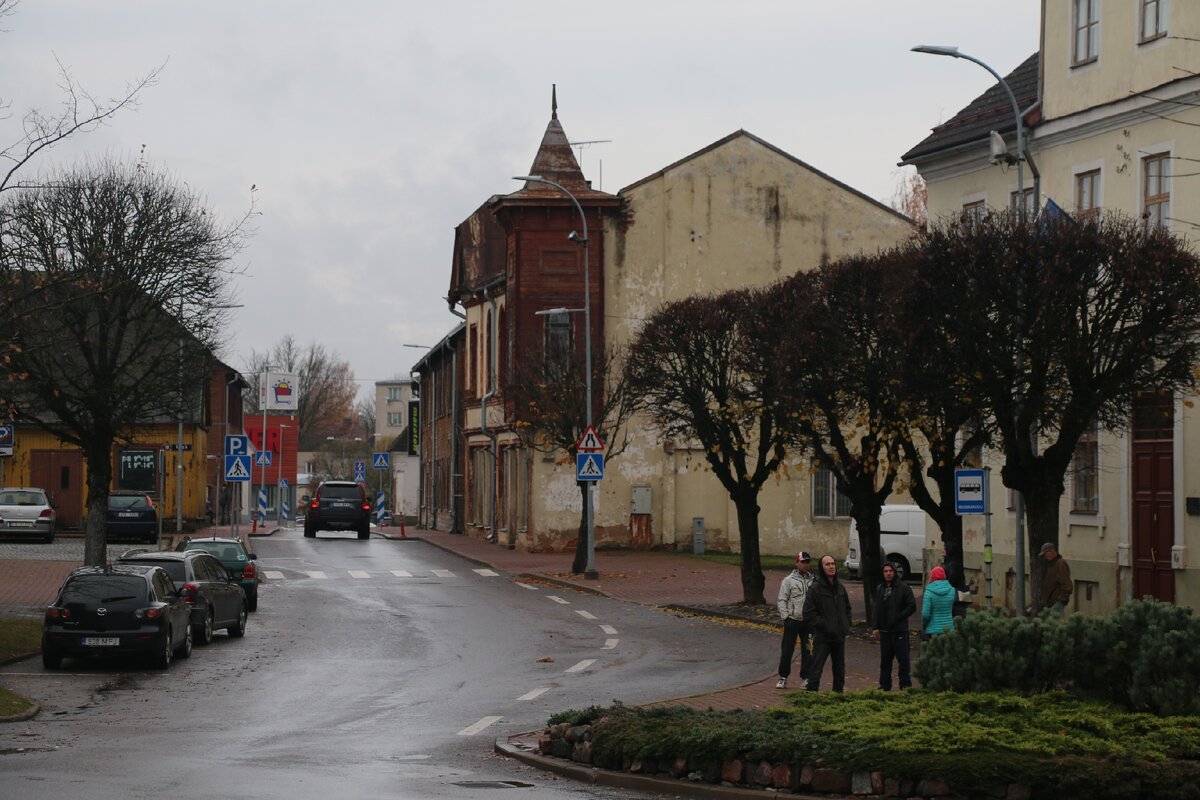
(131, 515)
(338, 506)
(118, 609)
(215, 599)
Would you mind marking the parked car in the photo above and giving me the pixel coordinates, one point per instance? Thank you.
(132, 515)
(117, 609)
(338, 506)
(239, 564)
(216, 600)
(901, 539)
(26, 511)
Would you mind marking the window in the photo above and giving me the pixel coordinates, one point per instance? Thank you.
(827, 500)
(472, 358)
(1156, 189)
(1087, 30)
(972, 213)
(1029, 210)
(395, 393)
(1085, 468)
(516, 471)
(1154, 25)
(1087, 196)
(395, 419)
(481, 484)
(558, 339)
(485, 355)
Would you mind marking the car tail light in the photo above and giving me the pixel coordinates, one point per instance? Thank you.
(54, 612)
(153, 612)
(315, 503)
(366, 506)
(248, 572)
(189, 593)
(46, 514)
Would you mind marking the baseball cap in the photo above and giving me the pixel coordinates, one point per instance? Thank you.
(1047, 547)
(803, 556)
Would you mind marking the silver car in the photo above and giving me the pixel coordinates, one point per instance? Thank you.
(26, 512)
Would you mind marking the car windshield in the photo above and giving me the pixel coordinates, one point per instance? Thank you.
(226, 551)
(22, 499)
(127, 501)
(340, 493)
(104, 589)
(173, 568)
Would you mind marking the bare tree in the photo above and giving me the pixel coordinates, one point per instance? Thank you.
(911, 197)
(326, 388)
(116, 278)
(549, 407)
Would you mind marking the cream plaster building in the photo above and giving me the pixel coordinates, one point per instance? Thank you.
(1112, 108)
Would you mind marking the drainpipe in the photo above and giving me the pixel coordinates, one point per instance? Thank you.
(488, 295)
(455, 433)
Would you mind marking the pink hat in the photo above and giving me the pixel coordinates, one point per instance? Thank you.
(937, 574)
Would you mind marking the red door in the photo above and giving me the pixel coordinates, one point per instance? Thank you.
(60, 473)
(1153, 498)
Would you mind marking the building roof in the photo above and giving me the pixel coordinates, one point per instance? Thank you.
(991, 111)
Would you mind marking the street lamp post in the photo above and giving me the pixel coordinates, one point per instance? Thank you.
(589, 510)
(1022, 156)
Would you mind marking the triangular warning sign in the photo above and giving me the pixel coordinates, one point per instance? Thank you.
(381, 460)
(237, 469)
(590, 441)
(590, 468)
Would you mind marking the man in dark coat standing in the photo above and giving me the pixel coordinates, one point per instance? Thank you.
(894, 604)
(827, 608)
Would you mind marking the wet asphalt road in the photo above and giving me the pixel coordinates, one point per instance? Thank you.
(376, 669)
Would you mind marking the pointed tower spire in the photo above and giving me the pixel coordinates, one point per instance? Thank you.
(555, 159)
(553, 101)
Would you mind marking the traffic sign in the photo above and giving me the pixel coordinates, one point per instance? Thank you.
(237, 445)
(283, 483)
(7, 439)
(970, 492)
(590, 441)
(589, 466)
(237, 468)
(360, 471)
(262, 458)
(381, 460)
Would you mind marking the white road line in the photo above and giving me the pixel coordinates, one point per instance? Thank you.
(585, 614)
(443, 573)
(402, 573)
(358, 573)
(316, 574)
(272, 575)
(558, 599)
(609, 644)
(479, 726)
(582, 665)
(609, 629)
(487, 573)
(535, 694)
(526, 586)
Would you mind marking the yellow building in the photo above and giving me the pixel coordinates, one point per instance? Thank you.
(1112, 108)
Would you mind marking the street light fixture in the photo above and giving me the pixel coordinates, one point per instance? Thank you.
(1022, 156)
(589, 515)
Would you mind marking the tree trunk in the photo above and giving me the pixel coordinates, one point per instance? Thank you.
(870, 561)
(1041, 515)
(581, 545)
(753, 581)
(99, 476)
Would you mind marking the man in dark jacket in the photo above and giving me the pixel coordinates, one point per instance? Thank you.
(827, 608)
(894, 604)
(1056, 582)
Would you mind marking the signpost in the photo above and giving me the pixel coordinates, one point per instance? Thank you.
(360, 471)
(972, 496)
(237, 468)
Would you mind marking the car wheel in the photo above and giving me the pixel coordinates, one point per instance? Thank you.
(185, 649)
(309, 532)
(204, 633)
(51, 659)
(163, 659)
(239, 630)
(252, 601)
(365, 531)
(902, 570)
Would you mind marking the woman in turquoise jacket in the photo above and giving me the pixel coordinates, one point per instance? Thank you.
(937, 606)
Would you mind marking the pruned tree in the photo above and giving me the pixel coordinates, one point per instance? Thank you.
(326, 388)
(1070, 323)
(548, 409)
(833, 335)
(911, 197)
(116, 278)
(697, 370)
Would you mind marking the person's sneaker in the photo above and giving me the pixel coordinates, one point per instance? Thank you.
(781, 683)
(804, 684)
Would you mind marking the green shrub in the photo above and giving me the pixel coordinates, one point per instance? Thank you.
(1143, 657)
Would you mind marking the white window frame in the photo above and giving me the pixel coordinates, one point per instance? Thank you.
(827, 501)
(1167, 151)
(1092, 27)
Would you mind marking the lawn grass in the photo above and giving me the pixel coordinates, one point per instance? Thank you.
(12, 703)
(18, 636)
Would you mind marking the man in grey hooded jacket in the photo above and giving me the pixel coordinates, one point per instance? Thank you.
(792, 594)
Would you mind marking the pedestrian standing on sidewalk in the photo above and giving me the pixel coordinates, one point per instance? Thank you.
(827, 609)
(1056, 581)
(792, 594)
(894, 604)
(937, 606)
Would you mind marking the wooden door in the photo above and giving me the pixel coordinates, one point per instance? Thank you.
(1153, 498)
(60, 474)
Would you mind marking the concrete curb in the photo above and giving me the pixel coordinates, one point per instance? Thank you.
(28, 714)
(625, 780)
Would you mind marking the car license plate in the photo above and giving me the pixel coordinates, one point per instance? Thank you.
(101, 641)
(340, 505)
(19, 523)
(127, 514)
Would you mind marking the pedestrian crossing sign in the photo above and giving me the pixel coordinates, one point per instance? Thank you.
(262, 458)
(589, 466)
(380, 460)
(237, 468)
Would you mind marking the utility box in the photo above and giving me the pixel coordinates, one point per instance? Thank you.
(640, 503)
(698, 535)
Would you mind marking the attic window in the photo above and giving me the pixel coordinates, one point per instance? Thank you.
(1087, 32)
(1154, 24)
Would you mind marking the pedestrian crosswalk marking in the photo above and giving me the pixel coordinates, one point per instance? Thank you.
(272, 575)
(609, 644)
(487, 573)
(527, 586)
(358, 573)
(558, 599)
(535, 694)
(609, 629)
(479, 726)
(582, 665)
(402, 573)
(443, 573)
(585, 614)
(317, 574)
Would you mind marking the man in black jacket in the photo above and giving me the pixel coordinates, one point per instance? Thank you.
(827, 607)
(894, 604)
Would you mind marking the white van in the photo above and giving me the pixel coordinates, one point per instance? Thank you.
(901, 537)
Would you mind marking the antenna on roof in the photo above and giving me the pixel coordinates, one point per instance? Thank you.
(586, 143)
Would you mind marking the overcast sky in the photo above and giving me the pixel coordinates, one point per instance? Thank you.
(371, 128)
